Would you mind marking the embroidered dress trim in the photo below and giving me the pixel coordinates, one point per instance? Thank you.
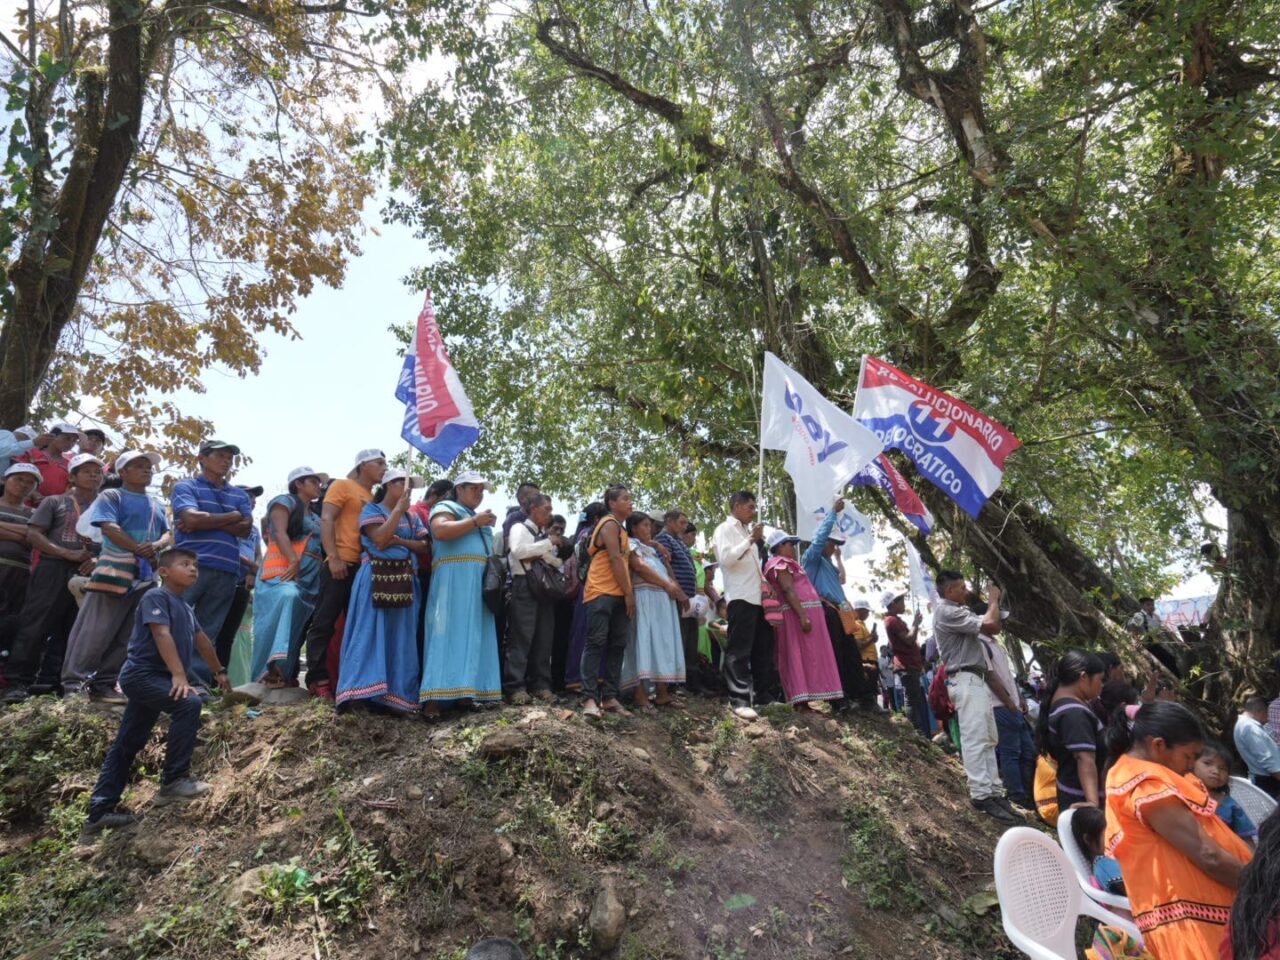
(460, 693)
(461, 558)
(1179, 911)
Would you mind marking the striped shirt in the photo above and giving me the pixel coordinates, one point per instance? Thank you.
(681, 563)
(215, 549)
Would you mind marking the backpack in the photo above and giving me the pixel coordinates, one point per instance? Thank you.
(939, 700)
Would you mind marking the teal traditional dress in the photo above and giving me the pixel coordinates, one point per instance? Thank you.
(380, 644)
(655, 652)
(281, 607)
(460, 643)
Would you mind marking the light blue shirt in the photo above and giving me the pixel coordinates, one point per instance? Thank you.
(821, 571)
(10, 447)
(1259, 752)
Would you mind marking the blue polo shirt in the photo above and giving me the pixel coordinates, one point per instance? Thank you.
(158, 605)
(822, 572)
(215, 549)
(681, 563)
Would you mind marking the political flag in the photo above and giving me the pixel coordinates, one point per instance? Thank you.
(824, 445)
(881, 473)
(438, 419)
(958, 449)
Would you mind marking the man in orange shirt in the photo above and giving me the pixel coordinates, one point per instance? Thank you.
(340, 537)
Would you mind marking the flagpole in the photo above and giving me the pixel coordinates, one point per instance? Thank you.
(760, 435)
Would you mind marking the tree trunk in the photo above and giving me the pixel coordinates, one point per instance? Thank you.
(55, 257)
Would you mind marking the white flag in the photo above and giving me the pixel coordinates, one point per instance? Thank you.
(855, 527)
(921, 587)
(825, 446)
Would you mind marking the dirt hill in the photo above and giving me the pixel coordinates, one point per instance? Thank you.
(686, 834)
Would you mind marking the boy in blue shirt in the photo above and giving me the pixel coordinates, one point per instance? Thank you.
(154, 678)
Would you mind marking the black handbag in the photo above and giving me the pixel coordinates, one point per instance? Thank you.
(494, 590)
(545, 581)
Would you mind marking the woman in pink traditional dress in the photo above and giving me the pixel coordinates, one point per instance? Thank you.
(805, 661)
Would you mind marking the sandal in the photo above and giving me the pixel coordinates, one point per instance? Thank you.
(644, 708)
(675, 703)
(592, 711)
(613, 706)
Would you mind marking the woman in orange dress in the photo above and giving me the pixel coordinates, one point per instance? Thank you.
(1181, 864)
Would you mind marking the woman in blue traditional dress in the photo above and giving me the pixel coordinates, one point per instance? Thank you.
(460, 643)
(655, 653)
(288, 582)
(380, 666)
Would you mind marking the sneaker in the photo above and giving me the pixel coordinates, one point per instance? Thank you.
(184, 789)
(111, 697)
(545, 696)
(1007, 807)
(745, 713)
(111, 820)
(992, 808)
(521, 699)
(17, 693)
(592, 711)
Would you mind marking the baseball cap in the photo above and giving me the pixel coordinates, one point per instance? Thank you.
(62, 426)
(209, 446)
(96, 432)
(779, 537)
(472, 476)
(835, 536)
(371, 453)
(393, 474)
(80, 459)
(297, 473)
(861, 603)
(28, 431)
(30, 468)
(128, 456)
(251, 491)
(887, 598)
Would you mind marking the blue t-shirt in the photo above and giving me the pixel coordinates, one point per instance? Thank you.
(158, 605)
(215, 549)
(1233, 815)
(137, 514)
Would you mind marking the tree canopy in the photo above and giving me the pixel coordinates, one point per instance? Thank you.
(1062, 211)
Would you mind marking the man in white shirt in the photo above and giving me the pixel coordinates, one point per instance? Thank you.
(748, 667)
(1259, 752)
(531, 620)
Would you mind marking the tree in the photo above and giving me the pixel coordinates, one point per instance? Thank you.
(178, 175)
(660, 196)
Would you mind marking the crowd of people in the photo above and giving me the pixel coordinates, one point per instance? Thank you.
(353, 591)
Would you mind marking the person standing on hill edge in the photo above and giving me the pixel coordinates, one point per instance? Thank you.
(609, 604)
(904, 642)
(748, 665)
(154, 679)
(671, 536)
(210, 516)
(35, 661)
(956, 629)
(531, 619)
(340, 537)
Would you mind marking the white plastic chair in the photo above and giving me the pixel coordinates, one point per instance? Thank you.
(1080, 863)
(1040, 898)
(1255, 801)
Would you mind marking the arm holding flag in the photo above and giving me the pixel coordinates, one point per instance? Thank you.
(822, 534)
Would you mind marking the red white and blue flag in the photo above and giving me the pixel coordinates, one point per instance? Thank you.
(959, 450)
(881, 473)
(438, 419)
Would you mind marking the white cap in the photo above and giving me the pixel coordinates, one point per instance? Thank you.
(392, 475)
(297, 473)
(780, 537)
(364, 456)
(472, 476)
(125, 458)
(887, 598)
(62, 426)
(19, 468)
(80, 459)
(861, 603)
(28, 431)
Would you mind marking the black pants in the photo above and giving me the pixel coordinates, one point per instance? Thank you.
(44, 625)
(531, 623)
(1269, 785)
(13, 593)
(689, 640)
(749, 669)
(853, 678)
(148, 698)
(560, 643)
(331, 604)
(917, 709)
(608, 629)
(231, 625)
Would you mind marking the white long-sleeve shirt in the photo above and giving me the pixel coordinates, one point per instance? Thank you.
(739, 562)
(525, 548)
